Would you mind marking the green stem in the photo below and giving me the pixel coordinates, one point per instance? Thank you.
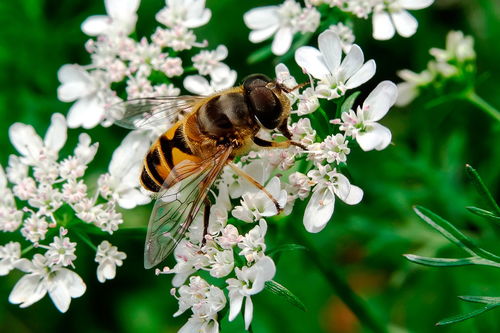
(26, 250)
(355, 303)
(473, 98)
(85, 238)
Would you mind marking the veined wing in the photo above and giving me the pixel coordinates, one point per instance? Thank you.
(153, 111)
(179, 204)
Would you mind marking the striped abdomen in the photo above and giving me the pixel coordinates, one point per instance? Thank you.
(169, 150)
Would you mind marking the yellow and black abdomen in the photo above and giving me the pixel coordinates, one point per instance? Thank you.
(169, 150)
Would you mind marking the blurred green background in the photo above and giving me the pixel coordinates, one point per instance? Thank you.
(364, 243)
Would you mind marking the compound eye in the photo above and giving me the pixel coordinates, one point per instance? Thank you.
(266, 107)
(255, 80)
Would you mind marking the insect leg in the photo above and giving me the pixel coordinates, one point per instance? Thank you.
(245, 175)
(273, 144)
(206, 218)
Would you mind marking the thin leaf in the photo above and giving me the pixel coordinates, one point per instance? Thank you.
(453, 234)
(481, 299)
(280, 290)
(348, 103)
(484, 213)
(286, 248)
(482, 189)
(449, 262)
(462, 317)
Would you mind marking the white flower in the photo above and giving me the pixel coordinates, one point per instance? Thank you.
(308, 102)
(34, 228)
(345, 34)
(334, 149)
(189, 260)
(121, 19)
(208, 61)
(320, 207)
(220, 79)
(9, 255)
(30, 145)
(184, 13)
(458, 47)
(250, 281)
(335, 77)
(256, 204)
(62, 284)
(122, 181)
(61, 251)
(108, 258)
(88, 90)
(390, 16)
(253, 245)
(363, 125)
(282, 22)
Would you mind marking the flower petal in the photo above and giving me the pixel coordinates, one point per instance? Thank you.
(380, 100)
(261, 17)
(375, 136)
(28, 290)
(383, 29)
(406, 24)
(331, 49)
(96, 25)
(365, 73)
(282, 41)
(355, 195)
(86, 112)
(248, 312)
(25, 140)
(257, 36)
(319, 210)
(235, 303)
(351, 63)
(56, 135)
(121, 9)
(415, 4)
(311, 61)
(197, 84)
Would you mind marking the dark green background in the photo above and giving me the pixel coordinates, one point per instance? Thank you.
(365, 243)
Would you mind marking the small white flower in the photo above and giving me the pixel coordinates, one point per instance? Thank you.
(122, 181)
(335, 149)
(189, 260)
(300, 185)
(108, 258)
(390, 16)
(281, 21)
(121, 19)
(62, 284)
(308, 102)
(220, 79)
(320, 207)
(335, 77)
(256, 204)
(345, 34)
(250, 281)
(363, 125)
(61, 251)
(30, 145)
(10, 253)
(88, 90)
(34, 228)
(253, 245)
(184, 13)
(458, 47)
(208, 61)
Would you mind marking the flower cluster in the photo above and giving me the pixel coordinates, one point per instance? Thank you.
(284, 21)
(233, 252)
(454, 65)
(48, 186)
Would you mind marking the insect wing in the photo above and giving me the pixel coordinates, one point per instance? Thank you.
(149, 113)
(179, 204)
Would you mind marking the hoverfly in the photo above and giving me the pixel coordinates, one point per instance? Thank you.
(209, 132)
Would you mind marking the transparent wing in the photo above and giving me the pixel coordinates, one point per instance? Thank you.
(179, 204)
(153, 111)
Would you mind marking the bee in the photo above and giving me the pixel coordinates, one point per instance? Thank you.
(209, 132)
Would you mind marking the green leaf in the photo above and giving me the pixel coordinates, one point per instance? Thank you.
(453, 234)
(482, 189)
(484, 213)
(481, 299)
(348, 103)
(462, 317)
(286, 248)
(259, 55)
(280, 290)
(449, 262)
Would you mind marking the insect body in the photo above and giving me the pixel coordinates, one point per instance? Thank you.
(185, 161)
